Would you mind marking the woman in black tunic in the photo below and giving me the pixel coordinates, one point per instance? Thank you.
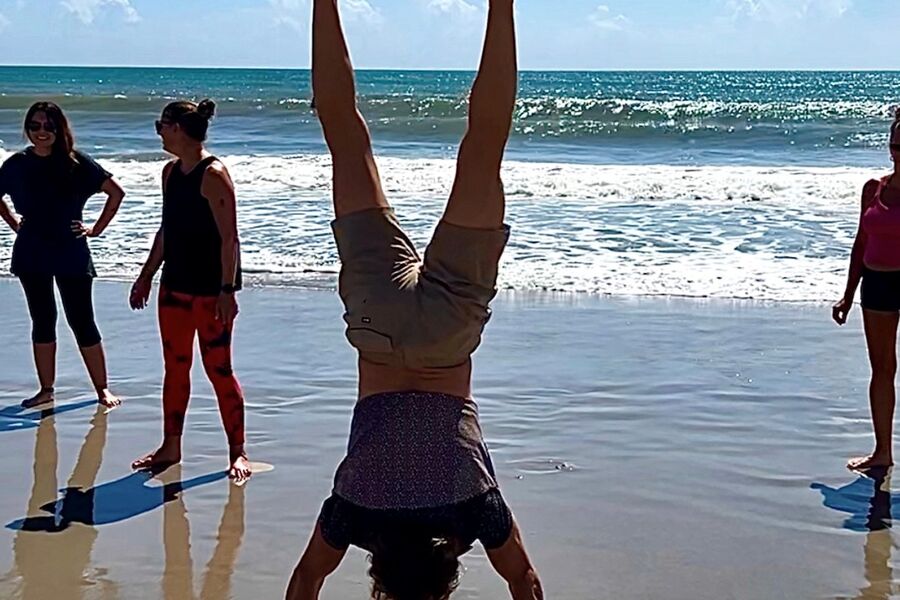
(49, 183)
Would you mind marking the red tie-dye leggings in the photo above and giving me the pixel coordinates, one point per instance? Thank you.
(180, 317)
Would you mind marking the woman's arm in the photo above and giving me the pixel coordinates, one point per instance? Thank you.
(218, 189)
(319, 560)
(140, 291)
(842, 308)
(7, 215)
(859, 244)
(155, 258)
(114, 195)
(5, 212)
(512, 563)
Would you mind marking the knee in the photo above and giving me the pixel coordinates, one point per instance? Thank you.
(43, 333)
(486, 133)
(43, 329)
(178, 365)
(219, 372)
(218, 368)
(86, 334)
(43, 324)
(884, 367)
(481, 155)
(337, 110)
(346, 133)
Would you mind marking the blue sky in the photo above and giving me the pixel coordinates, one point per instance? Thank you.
(554, 34)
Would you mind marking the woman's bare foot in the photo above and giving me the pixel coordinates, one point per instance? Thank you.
(45, 396)
(107, 399)
(861, 463)
(157, 462)
(240, 470)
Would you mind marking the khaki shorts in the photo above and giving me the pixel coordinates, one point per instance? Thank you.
(406, 313)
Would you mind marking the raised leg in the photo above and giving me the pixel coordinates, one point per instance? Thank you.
(357, 185)
(477, 200)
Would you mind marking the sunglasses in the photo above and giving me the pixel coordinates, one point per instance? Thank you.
(162, 123)
(34, 126)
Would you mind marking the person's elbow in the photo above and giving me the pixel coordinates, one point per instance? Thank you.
(526, 585)
(113, 190)
(305, 583)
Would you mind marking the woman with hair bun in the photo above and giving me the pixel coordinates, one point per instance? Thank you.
(198, 250)
(875, 260)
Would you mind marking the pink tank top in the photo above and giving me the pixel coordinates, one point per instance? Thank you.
(882, 226)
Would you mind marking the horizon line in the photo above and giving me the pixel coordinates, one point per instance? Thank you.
(468, 70)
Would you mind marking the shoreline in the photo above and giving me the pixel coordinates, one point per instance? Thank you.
(255, 282)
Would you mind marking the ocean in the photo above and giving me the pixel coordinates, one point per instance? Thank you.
(698, 184)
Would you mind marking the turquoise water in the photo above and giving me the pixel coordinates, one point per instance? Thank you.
(713, 184)
(700, 118)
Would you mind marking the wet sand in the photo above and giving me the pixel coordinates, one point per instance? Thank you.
(650, 448)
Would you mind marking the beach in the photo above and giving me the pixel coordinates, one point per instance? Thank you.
(649, 447)
(667, 401)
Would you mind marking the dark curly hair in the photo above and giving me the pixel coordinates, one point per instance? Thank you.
(411, 565)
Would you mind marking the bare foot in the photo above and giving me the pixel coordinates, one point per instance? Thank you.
(107, 399)
(45, 396)
(862, 463)
(240, 471)
(159, 461)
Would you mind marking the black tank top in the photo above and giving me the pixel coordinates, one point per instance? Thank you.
(192, 246)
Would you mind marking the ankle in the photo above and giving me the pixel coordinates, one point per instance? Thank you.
(171, 443)
(237, 451)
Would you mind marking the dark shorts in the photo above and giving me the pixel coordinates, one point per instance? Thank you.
(881, 290)
(403, 311)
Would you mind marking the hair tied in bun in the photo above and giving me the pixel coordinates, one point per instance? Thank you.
(207, 109)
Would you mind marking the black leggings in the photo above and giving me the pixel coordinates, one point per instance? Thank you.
(77, 301)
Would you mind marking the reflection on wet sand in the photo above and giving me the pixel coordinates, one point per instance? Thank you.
(109, 502)
(57, 566)
(16, 418)
(879, 543)
(54, 542)
(178, 577)
(870, 502)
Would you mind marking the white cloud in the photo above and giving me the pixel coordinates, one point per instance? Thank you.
(781, 11)
(604, 19)
(362, 10)
(86, 10)
(452, 7)
(292, 13)
(296, 13)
